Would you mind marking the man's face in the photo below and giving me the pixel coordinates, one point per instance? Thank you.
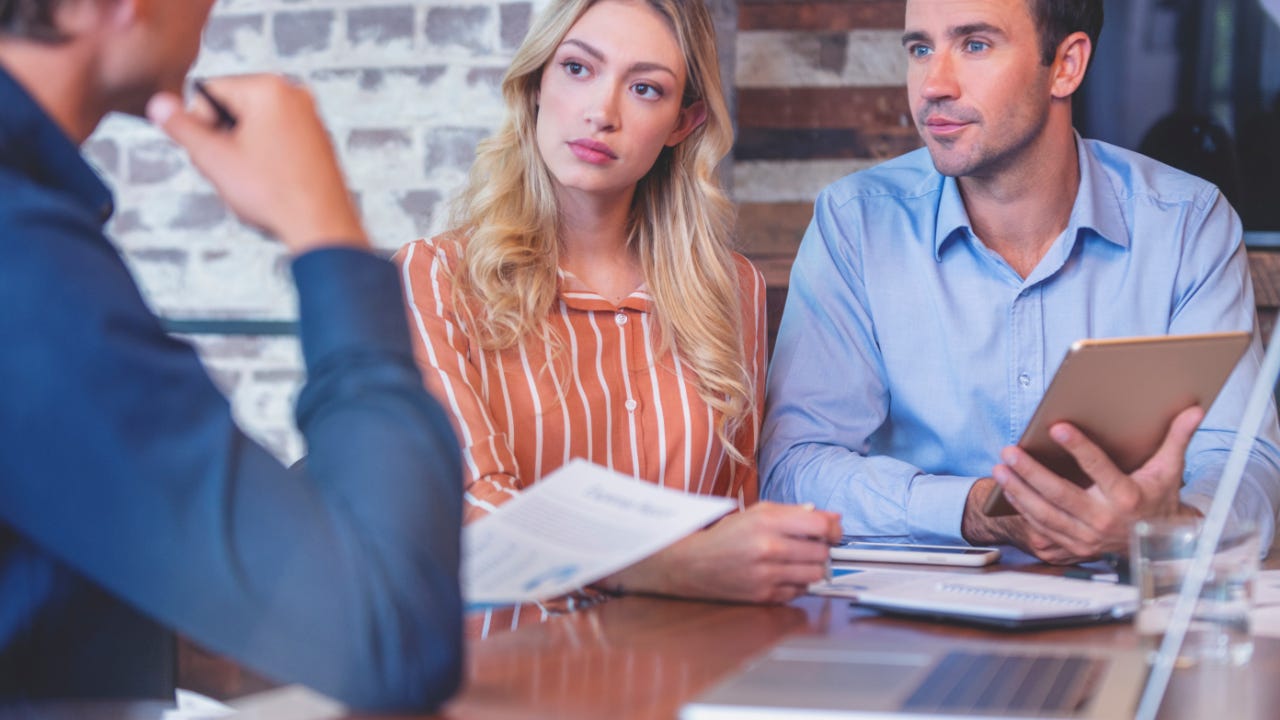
(978, 91)
(153, 52)
(179, 24)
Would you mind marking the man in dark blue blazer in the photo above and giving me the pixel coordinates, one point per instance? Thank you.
(130, 503)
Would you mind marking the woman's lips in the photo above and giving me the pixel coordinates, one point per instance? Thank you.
(591, 151)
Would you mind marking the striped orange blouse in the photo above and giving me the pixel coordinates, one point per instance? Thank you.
(609, 398)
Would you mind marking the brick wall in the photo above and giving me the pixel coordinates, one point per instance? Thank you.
(407, 88)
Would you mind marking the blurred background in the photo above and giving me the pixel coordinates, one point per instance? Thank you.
(408, 87)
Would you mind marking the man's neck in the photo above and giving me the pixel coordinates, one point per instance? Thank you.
(60, 79)
(1020, 211)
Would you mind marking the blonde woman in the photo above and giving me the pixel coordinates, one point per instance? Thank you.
(588, 305)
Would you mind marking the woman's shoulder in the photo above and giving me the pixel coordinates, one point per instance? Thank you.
(444, 248)
(749, 276)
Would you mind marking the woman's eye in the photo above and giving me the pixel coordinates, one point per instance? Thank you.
(573, 68)
(646, 90)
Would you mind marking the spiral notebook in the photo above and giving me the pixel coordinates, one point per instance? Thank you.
(1005, 599)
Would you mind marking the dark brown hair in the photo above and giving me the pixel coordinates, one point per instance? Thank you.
(1056, 19)
(30, 19)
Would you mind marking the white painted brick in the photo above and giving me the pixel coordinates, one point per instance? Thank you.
(194, 261)
(261, 377)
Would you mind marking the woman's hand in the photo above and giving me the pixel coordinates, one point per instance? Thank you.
(767, 554)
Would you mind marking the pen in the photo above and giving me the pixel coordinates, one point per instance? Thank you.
(827, 574)
(225, 121)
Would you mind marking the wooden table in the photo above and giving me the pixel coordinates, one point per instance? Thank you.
(642, 658)
(639, 657)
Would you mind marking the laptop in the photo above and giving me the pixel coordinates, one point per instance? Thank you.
(810, 676)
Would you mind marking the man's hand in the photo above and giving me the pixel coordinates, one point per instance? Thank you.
(1060, 522)
(767, 553)
(978, 528)
(277, 169)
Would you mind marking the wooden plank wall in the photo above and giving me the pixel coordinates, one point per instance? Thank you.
(1264, 265)
(820, 89)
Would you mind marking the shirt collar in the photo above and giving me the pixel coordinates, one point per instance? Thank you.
(1097, 205)
(577, 296)
(33, 145)
(1096, 209)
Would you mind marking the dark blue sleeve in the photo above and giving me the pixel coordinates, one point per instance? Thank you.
(120, 459)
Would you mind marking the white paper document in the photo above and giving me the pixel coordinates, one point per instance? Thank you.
(571, 528)
(288, 702)
(194, 706)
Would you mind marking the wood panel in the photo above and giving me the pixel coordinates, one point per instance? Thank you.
(865, 108)
(1264, 266)
(843, 144)
(821, 15)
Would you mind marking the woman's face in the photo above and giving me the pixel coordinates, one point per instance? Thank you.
(610, 99)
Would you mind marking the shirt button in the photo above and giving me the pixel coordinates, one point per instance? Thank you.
(1024, 380)
(620, 318)
(631, 405)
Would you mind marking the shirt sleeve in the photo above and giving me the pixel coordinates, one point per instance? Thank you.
(755, 337)
(122, 460)
(1214, 294)
(443, 348)
(828, 393)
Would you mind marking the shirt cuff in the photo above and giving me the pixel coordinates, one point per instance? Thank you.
(349, 301)
(935, 508)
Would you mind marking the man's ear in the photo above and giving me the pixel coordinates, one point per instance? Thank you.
(690, 118)
(1070, 63)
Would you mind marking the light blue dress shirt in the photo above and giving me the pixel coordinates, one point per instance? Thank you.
(910, 353)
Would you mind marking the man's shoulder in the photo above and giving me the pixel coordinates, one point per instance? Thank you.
(25, 203)
(1137, 176)
(904, 177)
(46, 237)
(17, 192)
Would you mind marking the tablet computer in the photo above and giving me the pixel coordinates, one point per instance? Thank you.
(1123, 393)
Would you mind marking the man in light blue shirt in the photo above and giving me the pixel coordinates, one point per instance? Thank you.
(934, 296)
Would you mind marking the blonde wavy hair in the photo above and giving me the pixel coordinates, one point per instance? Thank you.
(680, 222)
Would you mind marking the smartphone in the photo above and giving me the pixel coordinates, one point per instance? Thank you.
(853, 549)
